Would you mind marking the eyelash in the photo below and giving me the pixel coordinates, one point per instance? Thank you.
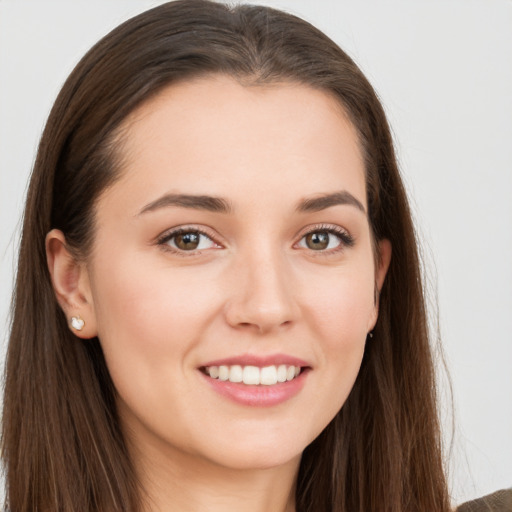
(346, 240)
(164, 240)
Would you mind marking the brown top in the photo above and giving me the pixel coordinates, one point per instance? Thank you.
(500, 501)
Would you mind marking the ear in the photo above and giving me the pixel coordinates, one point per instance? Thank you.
(383, 260)
(70, 280)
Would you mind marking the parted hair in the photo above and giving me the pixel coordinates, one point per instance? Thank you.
(62, 444)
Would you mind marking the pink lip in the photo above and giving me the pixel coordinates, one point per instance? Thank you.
(258, 396)
(260, 361)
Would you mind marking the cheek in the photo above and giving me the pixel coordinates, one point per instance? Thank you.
(343, 304)
(150, 322)
(149, 315)
(341, 310)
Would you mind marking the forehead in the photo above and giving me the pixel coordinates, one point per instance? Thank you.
(213, 135)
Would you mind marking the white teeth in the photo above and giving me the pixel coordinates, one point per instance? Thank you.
(253, 375)
(268, 376)
(223, 372)
(281, 373)
(236, 374)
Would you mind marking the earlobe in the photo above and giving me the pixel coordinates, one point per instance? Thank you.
(70, 282)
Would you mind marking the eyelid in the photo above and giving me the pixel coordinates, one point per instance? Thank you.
(346, 238)
(170, 233)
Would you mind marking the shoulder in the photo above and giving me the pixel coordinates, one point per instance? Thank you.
(500, 501)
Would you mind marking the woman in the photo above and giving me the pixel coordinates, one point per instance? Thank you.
(218, 302)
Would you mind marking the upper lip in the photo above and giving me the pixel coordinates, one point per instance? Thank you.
(258, 360)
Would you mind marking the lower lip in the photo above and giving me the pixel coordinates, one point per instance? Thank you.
(258, 396)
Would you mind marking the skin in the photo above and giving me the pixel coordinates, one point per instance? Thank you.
(255, 286)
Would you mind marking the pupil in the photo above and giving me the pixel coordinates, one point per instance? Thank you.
(317, 241)
(187, 241)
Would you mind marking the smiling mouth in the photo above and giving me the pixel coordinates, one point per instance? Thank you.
(254, 375)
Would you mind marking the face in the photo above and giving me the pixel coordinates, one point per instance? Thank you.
(234, 247)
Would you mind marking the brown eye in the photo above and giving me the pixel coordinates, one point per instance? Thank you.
(326, 240)
(187, 241)
(318, 240)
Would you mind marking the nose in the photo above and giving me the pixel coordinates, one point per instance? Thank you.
(263, 298)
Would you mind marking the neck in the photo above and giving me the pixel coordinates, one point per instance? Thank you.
(179, 482)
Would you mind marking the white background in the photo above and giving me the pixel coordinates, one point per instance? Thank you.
(443, 70)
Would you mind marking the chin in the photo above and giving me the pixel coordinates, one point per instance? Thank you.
(251, 452)
(247, 460)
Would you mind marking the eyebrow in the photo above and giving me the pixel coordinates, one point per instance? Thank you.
(220, 205)
(317, 204)
(199, 202)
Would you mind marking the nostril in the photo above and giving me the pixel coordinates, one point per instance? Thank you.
(261, 312)
(262, 327)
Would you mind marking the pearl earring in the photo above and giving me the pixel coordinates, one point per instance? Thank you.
(77, 323)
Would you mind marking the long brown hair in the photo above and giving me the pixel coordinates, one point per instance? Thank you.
(62, 444)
